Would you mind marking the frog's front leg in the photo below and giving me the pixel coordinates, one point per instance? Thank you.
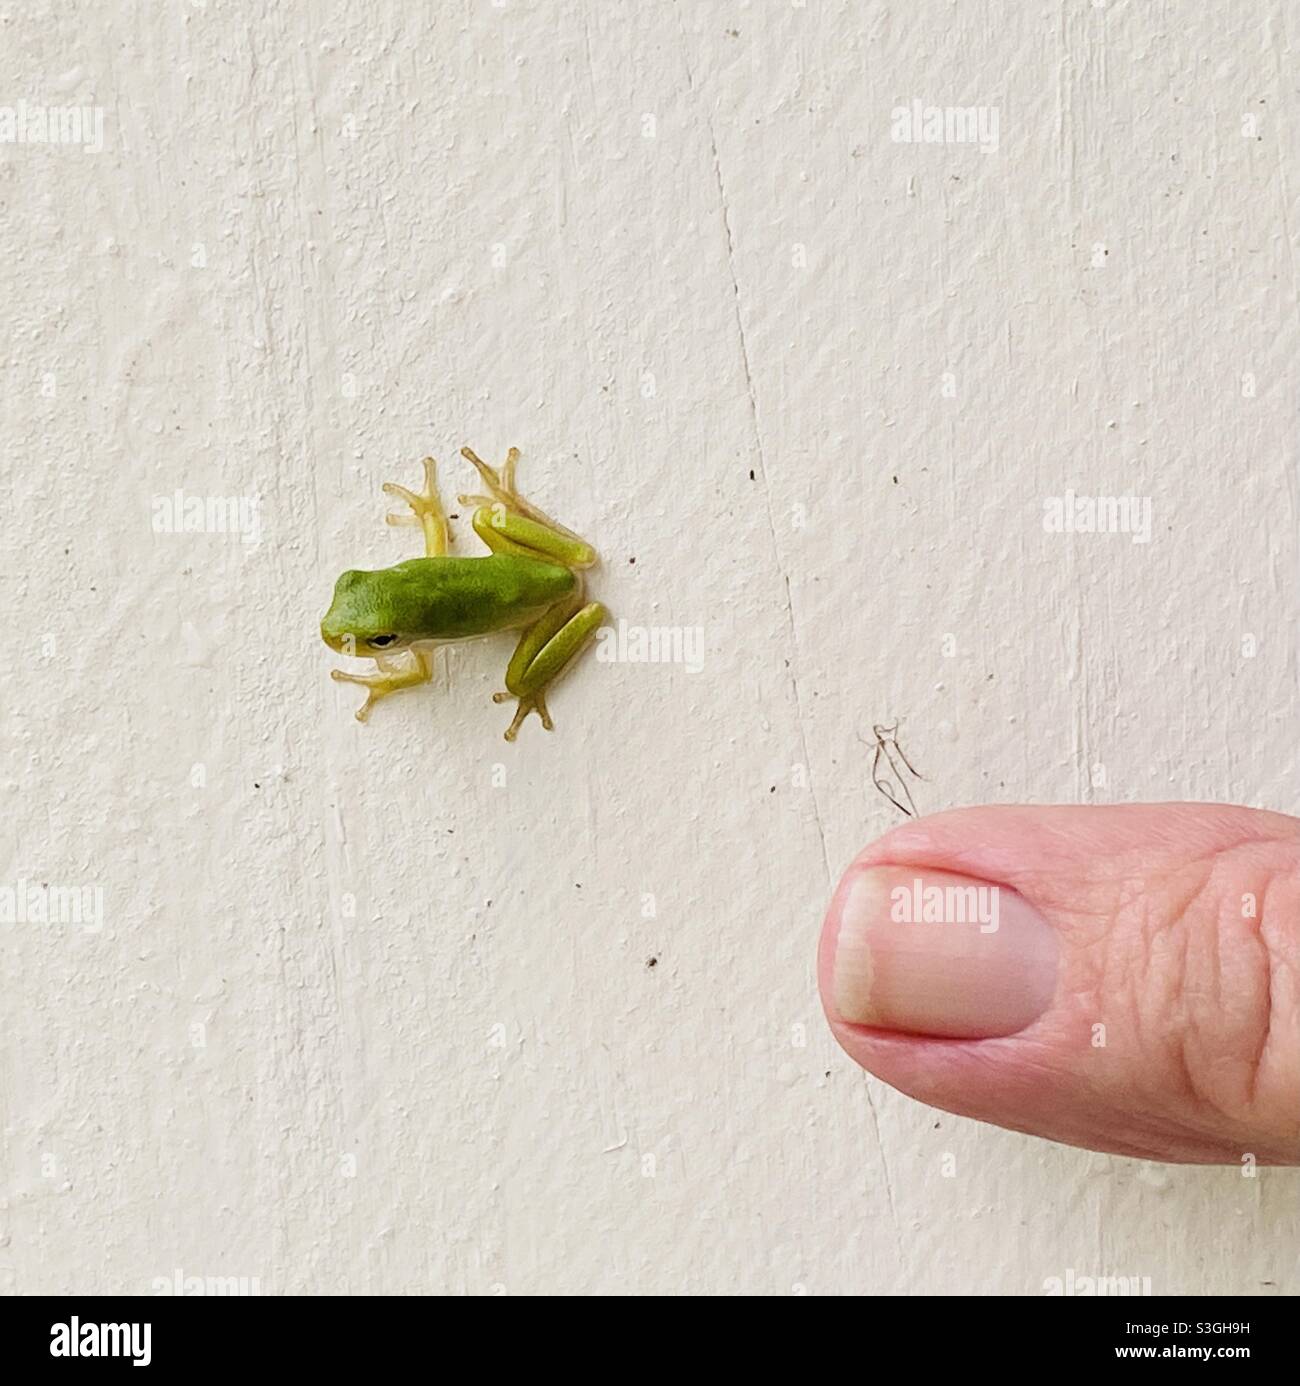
(544, 651)
(404, 670)
(427, 510)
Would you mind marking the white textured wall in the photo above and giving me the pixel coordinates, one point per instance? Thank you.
(321, 241)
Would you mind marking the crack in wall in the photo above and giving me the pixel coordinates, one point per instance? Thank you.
(767, 493)
(791, 624)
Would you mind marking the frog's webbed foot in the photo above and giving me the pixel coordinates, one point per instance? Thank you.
(395, 673)
(502, 491)
(544, 651)
(427, 512)
(507, 523)
(535, 702)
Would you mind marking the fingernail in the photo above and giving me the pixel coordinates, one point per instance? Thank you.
(939, 954)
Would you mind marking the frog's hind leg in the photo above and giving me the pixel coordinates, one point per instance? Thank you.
(395, 672)
(503, 491)
(507, 523)
(427, 510)
(544, 651)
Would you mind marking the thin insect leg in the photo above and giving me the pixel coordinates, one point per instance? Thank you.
(905, 760)
(889, 736)
(883, 787)
(886, 786)
(899, 775)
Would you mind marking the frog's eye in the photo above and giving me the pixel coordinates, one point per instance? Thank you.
(379, 641)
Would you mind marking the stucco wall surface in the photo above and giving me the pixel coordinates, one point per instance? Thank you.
(403, 1008)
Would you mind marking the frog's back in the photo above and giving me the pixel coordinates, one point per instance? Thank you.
(455, 598)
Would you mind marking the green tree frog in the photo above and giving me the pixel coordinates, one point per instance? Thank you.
(531, 581)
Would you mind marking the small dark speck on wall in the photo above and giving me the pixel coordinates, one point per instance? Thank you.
(631, 560)
(256, 785)
(751, 474)
(653, 962)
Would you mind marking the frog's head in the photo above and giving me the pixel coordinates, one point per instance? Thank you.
(360, 620)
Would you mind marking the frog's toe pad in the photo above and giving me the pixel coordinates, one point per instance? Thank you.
(526, 705)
